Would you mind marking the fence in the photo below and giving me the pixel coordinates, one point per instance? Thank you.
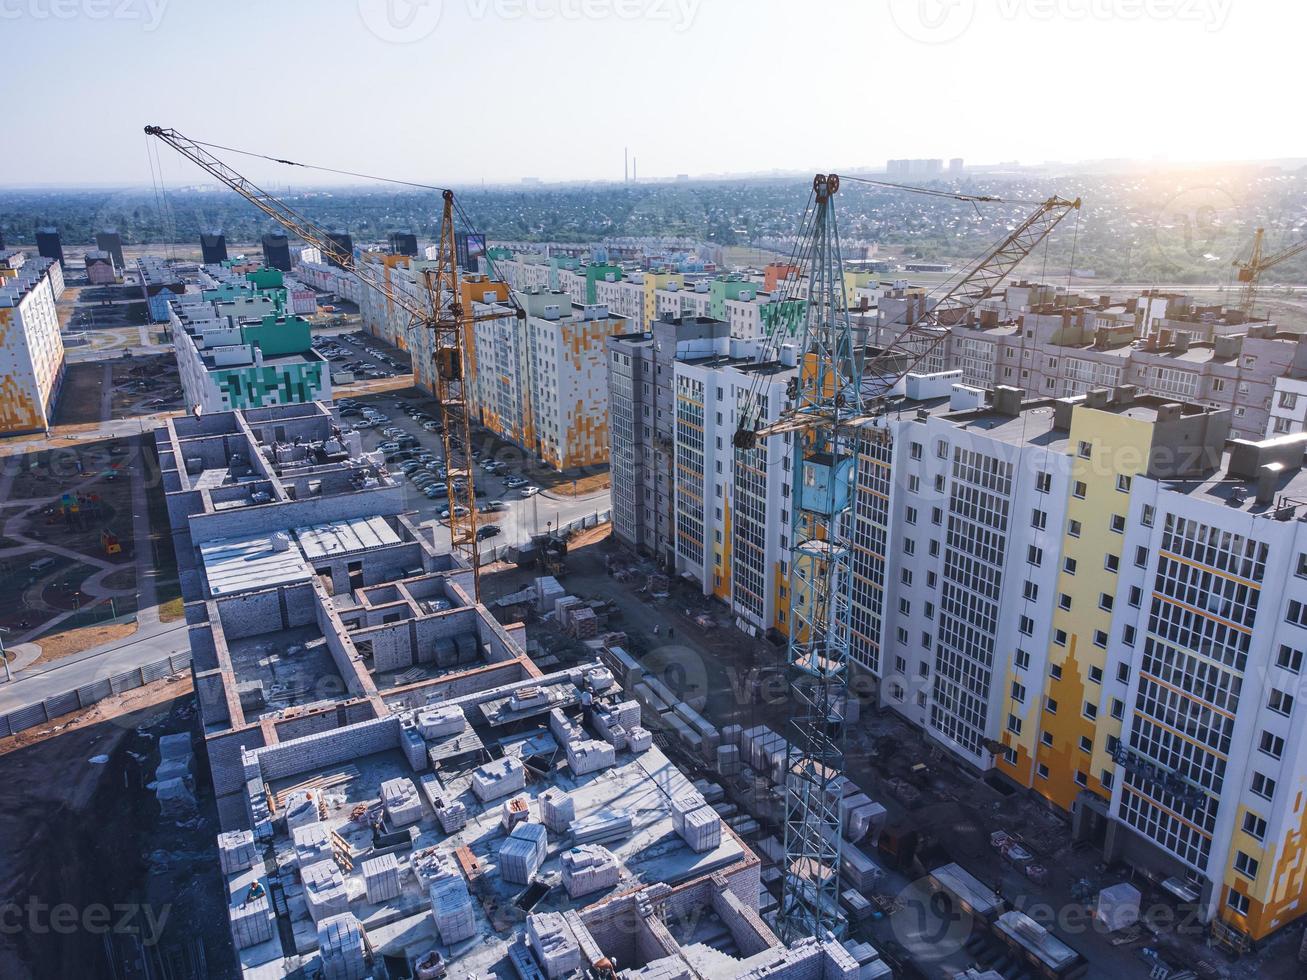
(88, 694)
(489, 556)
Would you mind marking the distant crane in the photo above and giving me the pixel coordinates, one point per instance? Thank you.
(1251, 268)
(841, 389)
(442, 313)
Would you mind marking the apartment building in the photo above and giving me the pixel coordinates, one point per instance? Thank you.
(642, 406)
(542, 383)
(160, 283)
(310, 268)
(100, 270)
(31, 346)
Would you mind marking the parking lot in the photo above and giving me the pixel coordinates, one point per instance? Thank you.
(361, 355)
(499, 488)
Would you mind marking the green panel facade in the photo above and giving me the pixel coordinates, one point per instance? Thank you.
(259, 387)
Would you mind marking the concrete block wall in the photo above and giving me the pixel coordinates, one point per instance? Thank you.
(280, 515)
(224, 753)
(251, 614)
(747, 928)
(653, 941)
(328, 748)
(459, 685)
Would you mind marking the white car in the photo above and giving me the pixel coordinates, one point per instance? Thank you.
(459, 510)
(530, 491)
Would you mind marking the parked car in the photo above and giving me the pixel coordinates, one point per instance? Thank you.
(409, 466)
(389, 447)
(432, 492)
(530, 491)
(487, 531)
(432, 426)
(458, 510)
(494, 506)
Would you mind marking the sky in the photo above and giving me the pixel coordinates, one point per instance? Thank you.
(466, 91)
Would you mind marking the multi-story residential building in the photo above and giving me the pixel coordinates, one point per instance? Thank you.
(31, 347)
(161, 282)
(111, 241)
(642, 420)
(542, 383)
(322, 276)
(49, 245)
(100, 270)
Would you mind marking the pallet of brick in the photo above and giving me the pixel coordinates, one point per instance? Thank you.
(600, 826)
(710, 791)
(702, 829)
(324, 890)
(585, 623)
(400, 797)
(728, 760)
(639, 739)
(557, 810)
(588, 868)
(498, 778)
(589, 755)
(553, 944)
(612, 733)
(860, 871)
(252, 921)
(513, 812)
(563, 607)
(381, 878)
(856, 905)
(301, 807)
(413, 745)
(731, 735)
(624, 666)
(626, 713)
(451, 909)
(522, 854)
(547, 593)
(683, 803)
(312, 843)
(563, 728)
(236, 851)
(342, 947)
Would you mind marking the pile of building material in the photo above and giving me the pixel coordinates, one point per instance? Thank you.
(400, 797)
(589, 755)
(252, 919)
(451, 902)
(412, 744)
(602, 825)
(381, 877)
(498, 778)
(521, 855)
(440, 721)
(548, 591)
(557, 811)
(585, 624)
(728, 760)
(324, 890)
(312, 843)
(175, 757)
(860, 871)
(588, 868)
(601, 679)
(639, 739)
(343, 948)
(698, 824)
(870, 965)
(553, 944)
(302, 806)
(236, 851)
(1117, 906)
(513, 812)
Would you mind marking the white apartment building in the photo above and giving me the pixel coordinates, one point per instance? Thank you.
(31, 346)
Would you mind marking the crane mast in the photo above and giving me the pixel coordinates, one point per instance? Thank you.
(841, 388)
(442, 313)
(1251, 268)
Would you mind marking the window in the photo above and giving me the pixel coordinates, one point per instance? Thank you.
(1280, 702)
(914, 450)
(1128, 636)
(1100, 638)
(1073, 528)
(1031, 591)
(1018, 692)
(1123, 673)
(1081, 778)
(1064, 601)
(1301, 570)
(1288, 399)
(1263, 785)
(900, 665)
(1055, 671)
(1105, 777)
(1297, 613)
(1271, 744)
(936, 516)
(1084, 450)
(1136, 596)
(930, 610)
(1059, 637)
(941, 449)
(1034, 556)
(1146, 517)
(1046, 737)
(1289, 659)
(1086, 744)
(909, 546)
(1105, 601)
(1089, 710)
(1095, 674)
(1027, 626)
(905, 607)
(1123, 483)
(1078, 489)
(1069, 566)
(1043, 481)
(1022, 660)
(901, 635)
(1009, 755)
(1111, 562)
(905, 576)
(1038, 519)
(923, 668)
(931, 579)
(1117, 524)
(934, 548)
(910, 515)
(1014, 724)
(1050, 705)
(1253, 825)
(1042, 770)
(914, 484)
(1141, 557)
(1118, 709)
(1245, 864)
(1237, 903)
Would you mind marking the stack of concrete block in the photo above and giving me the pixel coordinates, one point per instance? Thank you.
(710, 791)
(342, 948)
(563, 728)
(600, 679)
(236, 851)
(1117, 906)
(553, 943)
(602, 825)
(301, 808)
(728, 760)
(521, 855)
(587, 869)
(252, 921)
(513, 812)
(731, 735)
(611, 732)
(175, 757)
(324, 890)
(585, 624)
(548, 591)
(527, 698)
(590, 755)
(860, 815)
(639, 739)
(678, 726)
(440, 721)
(451, 908)
(498, 778)
(381, 878)
(175, 797)
(452, 815)
(698, 824)
(563, 607)
(312, 843)
(705, 729)
(403, 805)
(413, 745)
(857, 869)
(557, 811)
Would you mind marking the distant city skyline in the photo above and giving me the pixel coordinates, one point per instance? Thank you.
(697, 87)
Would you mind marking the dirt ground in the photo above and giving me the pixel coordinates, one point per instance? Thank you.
(111, 880)
(954, 811)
